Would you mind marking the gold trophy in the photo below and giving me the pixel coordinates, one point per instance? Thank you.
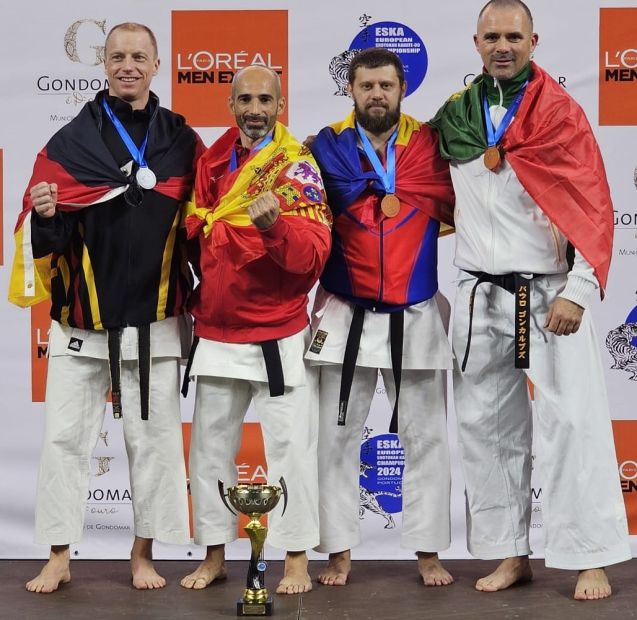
(254, 500)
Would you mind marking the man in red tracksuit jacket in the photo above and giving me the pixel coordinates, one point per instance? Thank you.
(264, 235)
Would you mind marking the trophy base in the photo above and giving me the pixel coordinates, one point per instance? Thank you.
(255, 609)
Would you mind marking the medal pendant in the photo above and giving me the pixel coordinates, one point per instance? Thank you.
(492, 158)
(146, 178)
(390, 205)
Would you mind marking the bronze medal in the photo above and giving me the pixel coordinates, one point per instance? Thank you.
(390, 205)
(492, 158)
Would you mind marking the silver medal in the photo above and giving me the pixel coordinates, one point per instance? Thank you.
(146, 178)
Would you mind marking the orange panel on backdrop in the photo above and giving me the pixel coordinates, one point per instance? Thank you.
(625, 432)
(208, 47)
(617, 66)
(40, 326)
(1, 207)
(250, 462)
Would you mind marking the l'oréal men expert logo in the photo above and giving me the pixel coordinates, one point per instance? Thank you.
(1, 207)
(394, 36)
(628, 476)
(617, 66)
(209, 47)
(40, 327)
(625, 434)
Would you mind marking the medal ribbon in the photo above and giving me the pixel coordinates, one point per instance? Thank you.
(494, 135)
(233, 156)
(136, 153)
(387, 177)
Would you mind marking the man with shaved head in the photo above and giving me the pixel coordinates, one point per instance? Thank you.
(100, 236)
(263, 231)
(534, 227)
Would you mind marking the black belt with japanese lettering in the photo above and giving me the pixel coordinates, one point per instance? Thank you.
(273, 367)
(143, 356)
(396, 331)
(519, 285)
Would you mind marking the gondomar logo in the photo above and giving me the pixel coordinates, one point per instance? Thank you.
(109, 495)
(80, 39)
(83, 44)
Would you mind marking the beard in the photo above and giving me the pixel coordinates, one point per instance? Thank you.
(377, 123)
(255, 132)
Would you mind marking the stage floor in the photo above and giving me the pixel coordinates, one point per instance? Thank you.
(101, 590)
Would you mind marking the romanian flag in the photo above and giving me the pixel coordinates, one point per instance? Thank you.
(422, 177)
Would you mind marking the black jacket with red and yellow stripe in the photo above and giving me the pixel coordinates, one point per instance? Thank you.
(121, 260)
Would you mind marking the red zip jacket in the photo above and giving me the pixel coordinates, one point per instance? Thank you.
(254, 283)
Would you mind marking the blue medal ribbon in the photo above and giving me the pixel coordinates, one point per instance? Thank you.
(494, 135)
(136, 153)
(387, 176)
(233, 155)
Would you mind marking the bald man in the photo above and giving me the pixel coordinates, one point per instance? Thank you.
(526, 190)
(263, 233)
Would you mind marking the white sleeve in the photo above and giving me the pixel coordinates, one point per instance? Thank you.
(581, 282)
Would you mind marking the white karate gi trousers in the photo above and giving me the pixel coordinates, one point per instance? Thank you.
(582, 506)
(422, 429)
(289, 424)
(76, 393)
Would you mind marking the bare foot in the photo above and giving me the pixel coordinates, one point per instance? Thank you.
(592, 584)
(54, 572)
(337, 570)
(432, 571)
(213, 568)
(296, 579)
(145, 577)
(508, 572)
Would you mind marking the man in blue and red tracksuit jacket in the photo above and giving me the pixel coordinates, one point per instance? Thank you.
(376, 309)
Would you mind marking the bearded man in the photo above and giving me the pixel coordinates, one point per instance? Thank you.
(376, 309)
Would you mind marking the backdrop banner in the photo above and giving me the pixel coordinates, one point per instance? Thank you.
(53, 64)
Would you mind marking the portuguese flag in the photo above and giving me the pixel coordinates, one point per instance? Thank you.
(551, 147)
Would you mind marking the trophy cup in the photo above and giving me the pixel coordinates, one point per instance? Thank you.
(254, 500)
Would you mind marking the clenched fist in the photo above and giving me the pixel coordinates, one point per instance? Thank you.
(264, 211)
(44, 197)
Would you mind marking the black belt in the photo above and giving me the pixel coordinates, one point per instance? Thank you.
(191, 356)
(143, 355)
(396, 331)
(273, 367)
(519, 285)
